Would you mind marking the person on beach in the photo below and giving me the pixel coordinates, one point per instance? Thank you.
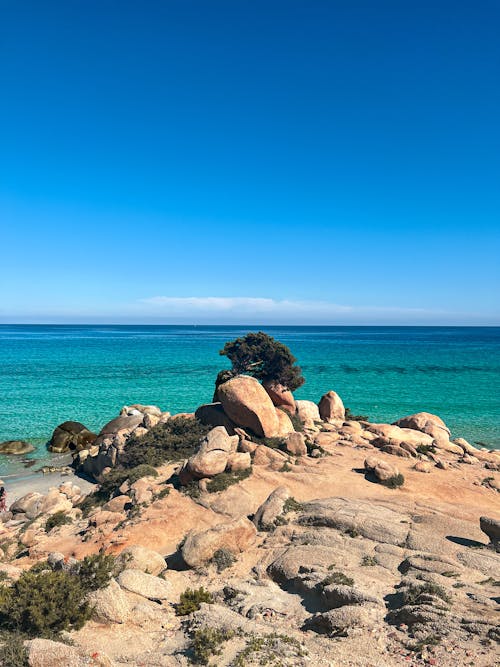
(3, 499)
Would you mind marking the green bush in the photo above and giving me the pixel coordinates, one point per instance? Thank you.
(175, 440)
(291, 505)
(337, 578)
(264, 358)
(95, 571)
(223, 558)
(191, 599)
(12, 650)
(349, 416)
(227, 479)
(425, 449)
(394, 482)
(414, 592)
(44, 604)
(57, 519)
(368, 561)
(207, 642)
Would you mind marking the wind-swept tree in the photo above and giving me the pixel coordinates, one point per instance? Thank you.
(264, 358)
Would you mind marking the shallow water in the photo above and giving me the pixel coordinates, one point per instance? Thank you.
(49, 374)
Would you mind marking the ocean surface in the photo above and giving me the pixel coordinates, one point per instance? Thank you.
(49, 374)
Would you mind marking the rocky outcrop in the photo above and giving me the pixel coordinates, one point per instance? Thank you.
(137, 557)
(331, 407)
(212, 457)
(16, 447)
(247, 404)
(212, 414)
(235, 537)
(308, 412)
(280, 396)
(110, 604)
(71, 436)
(491, 528)
(146, 585)
(382, 470)
(272, 508)
(427, 423)
(285, 425)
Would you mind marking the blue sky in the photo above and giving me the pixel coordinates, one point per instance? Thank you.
(250, 161)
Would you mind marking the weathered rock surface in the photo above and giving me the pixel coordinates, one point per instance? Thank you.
(110, 604)
(267, 514)
(247, 404)
(427, 423)
(212, 456)
(144, 584)
(47, 653)
(137, 557)
(235, 536)
(491, 527)
(212, 414)
(71, 436)
(296, 444)
(308, 412)
(280, 396)
(331, 407)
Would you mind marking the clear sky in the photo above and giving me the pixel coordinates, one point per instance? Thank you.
(255, 161)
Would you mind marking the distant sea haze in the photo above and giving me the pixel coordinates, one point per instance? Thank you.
(50, 374)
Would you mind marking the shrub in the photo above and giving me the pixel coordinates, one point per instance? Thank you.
(394, 482)
(368, 561)
(191, 599)
(337, 578)
(44, 604)
(227, 479)
(414, 592)
(174, 440)
(57, 519)
(264, 358)
(96, 571)
(296, 423)
(223, 558)
(349, 416)
(12, 650)
(291, 505)
(207, 642)
(425, 449)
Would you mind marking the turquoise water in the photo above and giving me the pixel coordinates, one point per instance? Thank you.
(49, 374)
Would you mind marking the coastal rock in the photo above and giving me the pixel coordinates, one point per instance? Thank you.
(308, 412)
(396, 435)
(248, 405)
(491, 528)
(296, 444)
(285, 425)
(150, 587)
(266, 456)
(136, 408)
(137, 557)
(280, 396)
(423, 466)
(271, 508)
(212, 414)
(123, 425)
(212, 456)
(235, 536)
(381, 469)
(16, 447)
(110, 604)
(28, 504)
(71, 436)
(427, 423)
(239, 461)
(331, 407)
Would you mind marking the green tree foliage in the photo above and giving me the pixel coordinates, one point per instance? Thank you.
(264, 358)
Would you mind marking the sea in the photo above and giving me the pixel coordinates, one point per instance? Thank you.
(50, 374)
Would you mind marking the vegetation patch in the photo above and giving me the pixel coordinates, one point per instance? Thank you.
(226, 479)
(425, 449)
(207, 642)
(337, 578)
(191, 599)
(368, 561)
(292, 505)
(414, 592)
(57, 519)
(394, 482)
(274, 649)
(12, 650)
(223, 558)
(349, 416)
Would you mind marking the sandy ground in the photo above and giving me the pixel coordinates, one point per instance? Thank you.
(19, 486)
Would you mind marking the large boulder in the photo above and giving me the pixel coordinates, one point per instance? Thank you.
(280, 396)
(123, 425)
(212, 456)
(16, 447)
(272, 508)
(137, 557)
(71, 436)
(110, 604)
(28, 504)
(427, 423)
(331, 407)
(236, 536)
(382, 470)
(491, 528)
(296, 444)
(285, 426)
(212, 414)
(308, 412)
(247, 404)
(396, 435)
(150, 587)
